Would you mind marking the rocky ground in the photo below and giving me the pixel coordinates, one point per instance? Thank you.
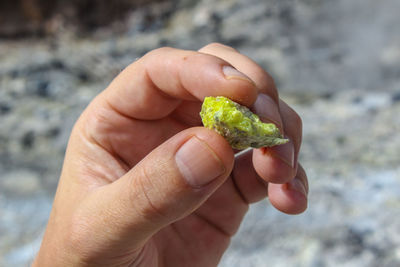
(336, 62)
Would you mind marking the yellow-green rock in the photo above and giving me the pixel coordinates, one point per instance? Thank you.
(240, 127)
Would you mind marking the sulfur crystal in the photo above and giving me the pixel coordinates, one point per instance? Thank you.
(238, 125)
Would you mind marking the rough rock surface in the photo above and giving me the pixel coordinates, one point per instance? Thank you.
(336, 62)
(238, 124)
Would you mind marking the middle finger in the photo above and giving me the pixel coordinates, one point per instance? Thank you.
(276, 164)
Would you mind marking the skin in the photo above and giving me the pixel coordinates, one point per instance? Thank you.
(123, 199)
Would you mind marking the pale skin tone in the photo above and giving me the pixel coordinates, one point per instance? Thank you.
(143, 184)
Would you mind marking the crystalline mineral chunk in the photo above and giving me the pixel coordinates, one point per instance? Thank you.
(240, 127)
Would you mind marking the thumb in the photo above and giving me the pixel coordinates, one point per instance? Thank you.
(168, 184)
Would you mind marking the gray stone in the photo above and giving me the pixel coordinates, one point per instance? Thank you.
(20, 183)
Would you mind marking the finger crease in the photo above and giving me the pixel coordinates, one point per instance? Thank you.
(152, 206)
(213, 225)
(239, 192)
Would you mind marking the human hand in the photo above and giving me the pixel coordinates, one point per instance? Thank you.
(143, 184)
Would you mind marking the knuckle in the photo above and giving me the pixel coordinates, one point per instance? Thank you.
(160, 50)
(291, 115)
(298, 125)
(302, 175)
(216, 45)
(297, 119)
(96, 123)
(156, 53)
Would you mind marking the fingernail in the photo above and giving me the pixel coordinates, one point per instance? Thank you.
(198, 163)
(232, 73)
(297, 185)
(266, 108)
(284, 152)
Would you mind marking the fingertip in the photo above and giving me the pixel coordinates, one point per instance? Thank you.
(287, 199)
(268, 111)
(258, 75)
(217, 46)
(218, 144)
(271, 168)
(244, 97)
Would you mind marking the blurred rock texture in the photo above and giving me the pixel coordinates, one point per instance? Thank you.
(336, 62)
(22, 18)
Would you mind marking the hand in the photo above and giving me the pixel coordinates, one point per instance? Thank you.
(143, 184)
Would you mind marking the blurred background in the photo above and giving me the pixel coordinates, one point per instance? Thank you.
(336, 62)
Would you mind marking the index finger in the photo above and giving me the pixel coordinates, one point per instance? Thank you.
(262, 79)
(152, 87)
